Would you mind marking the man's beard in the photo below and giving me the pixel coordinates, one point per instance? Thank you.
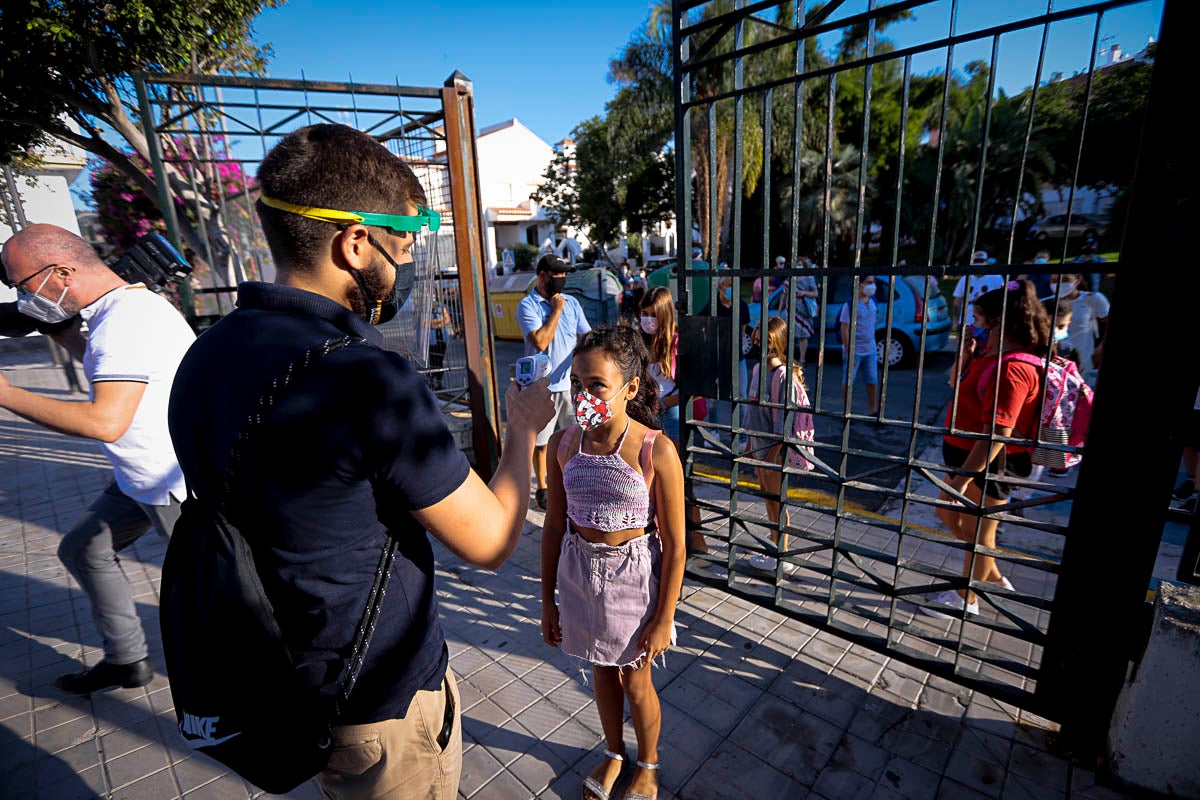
(376, 279)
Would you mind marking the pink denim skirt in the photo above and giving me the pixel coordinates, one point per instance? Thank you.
(606, 596)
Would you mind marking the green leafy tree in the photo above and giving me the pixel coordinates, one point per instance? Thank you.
(65, 61)
(581, 190)
(600, 183)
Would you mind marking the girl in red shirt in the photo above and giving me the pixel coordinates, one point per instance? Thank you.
(996, 396)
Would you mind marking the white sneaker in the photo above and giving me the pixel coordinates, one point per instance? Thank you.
(951, 599)
(763, 562)
(1005, 582)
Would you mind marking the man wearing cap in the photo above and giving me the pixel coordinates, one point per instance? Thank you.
(354, 451)
(552, 322)
(970, 287)
(134, 343)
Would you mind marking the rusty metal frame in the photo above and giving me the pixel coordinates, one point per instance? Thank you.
(445, 115)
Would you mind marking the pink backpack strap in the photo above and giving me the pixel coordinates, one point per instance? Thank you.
(564, 446)
(646, 459)
(990, 369)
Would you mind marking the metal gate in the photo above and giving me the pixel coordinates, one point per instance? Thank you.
(836, 135)
(210, 133)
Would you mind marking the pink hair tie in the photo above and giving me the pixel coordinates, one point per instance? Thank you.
(1013, 286)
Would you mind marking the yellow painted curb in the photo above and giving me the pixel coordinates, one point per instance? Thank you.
(826, 500)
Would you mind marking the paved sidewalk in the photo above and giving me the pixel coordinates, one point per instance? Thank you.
(755, 705)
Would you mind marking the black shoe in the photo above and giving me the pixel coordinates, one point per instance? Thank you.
(107, 676)
(1184, 490)
(539, 497)
(1189, 506)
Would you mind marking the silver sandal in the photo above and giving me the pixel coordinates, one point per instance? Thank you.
(596, 788)
(638, 795)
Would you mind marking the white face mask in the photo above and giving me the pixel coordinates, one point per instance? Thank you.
(1062, 289)
(649, 325)
(1060, 334)
(868, 289)
(43, 308)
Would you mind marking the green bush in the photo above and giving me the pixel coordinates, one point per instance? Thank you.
(524, 256)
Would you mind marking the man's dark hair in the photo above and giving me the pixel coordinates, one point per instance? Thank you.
(328, 166)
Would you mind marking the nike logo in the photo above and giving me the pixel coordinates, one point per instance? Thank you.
(198, 731)
(196, 744)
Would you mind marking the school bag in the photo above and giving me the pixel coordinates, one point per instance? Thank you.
(1066, 407)
(236, 687)
(764, 419)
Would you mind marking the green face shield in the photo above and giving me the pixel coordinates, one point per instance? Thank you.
(398, 223)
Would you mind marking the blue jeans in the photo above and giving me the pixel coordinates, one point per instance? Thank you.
(670, 422)
(865, 364)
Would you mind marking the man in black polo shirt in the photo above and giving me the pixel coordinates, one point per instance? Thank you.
(355, 450)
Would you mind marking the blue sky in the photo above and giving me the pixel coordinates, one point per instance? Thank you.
(544, 63)
(547, 63)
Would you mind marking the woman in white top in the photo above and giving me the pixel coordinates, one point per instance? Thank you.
(1088, 311)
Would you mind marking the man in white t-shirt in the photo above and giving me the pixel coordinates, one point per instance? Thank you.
(135, 340)
(970, 287)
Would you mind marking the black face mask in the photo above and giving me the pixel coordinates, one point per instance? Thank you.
(556, 285)
(381, 310)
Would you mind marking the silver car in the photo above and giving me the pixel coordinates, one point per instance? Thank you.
(1055, 227)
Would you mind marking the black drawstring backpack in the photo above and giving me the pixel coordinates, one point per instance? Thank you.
(238, 696)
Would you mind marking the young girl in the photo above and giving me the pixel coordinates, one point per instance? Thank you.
(1000, 395)
(612, 546)
(1089, 312)
(659, 334)
(774, 420)
(657, 323)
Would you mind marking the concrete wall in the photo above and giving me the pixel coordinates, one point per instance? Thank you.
(48, 200)
(1154, 740)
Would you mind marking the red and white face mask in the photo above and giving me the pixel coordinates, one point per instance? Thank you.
(590, 411)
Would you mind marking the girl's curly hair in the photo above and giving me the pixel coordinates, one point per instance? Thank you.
(623, 346)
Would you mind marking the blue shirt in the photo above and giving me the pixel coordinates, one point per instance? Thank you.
(352, 447)
(532, 313)
(864, 334)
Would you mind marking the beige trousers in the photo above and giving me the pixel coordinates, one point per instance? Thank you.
(399, 758)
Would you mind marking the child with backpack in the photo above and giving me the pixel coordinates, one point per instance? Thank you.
(785, 393)
(999, 392)
(613, 547)
(1068, 402)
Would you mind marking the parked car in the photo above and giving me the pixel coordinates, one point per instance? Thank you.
(1054, 227)
(909, 312)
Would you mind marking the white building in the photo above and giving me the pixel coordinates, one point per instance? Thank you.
(512, 165)
(44, 196)
(512, 162)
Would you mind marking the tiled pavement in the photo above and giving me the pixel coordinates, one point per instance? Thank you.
(755, 705)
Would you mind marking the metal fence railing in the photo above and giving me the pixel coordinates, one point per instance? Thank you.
(851, 135)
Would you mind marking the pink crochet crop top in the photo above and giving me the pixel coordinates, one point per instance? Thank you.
(604, 492)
